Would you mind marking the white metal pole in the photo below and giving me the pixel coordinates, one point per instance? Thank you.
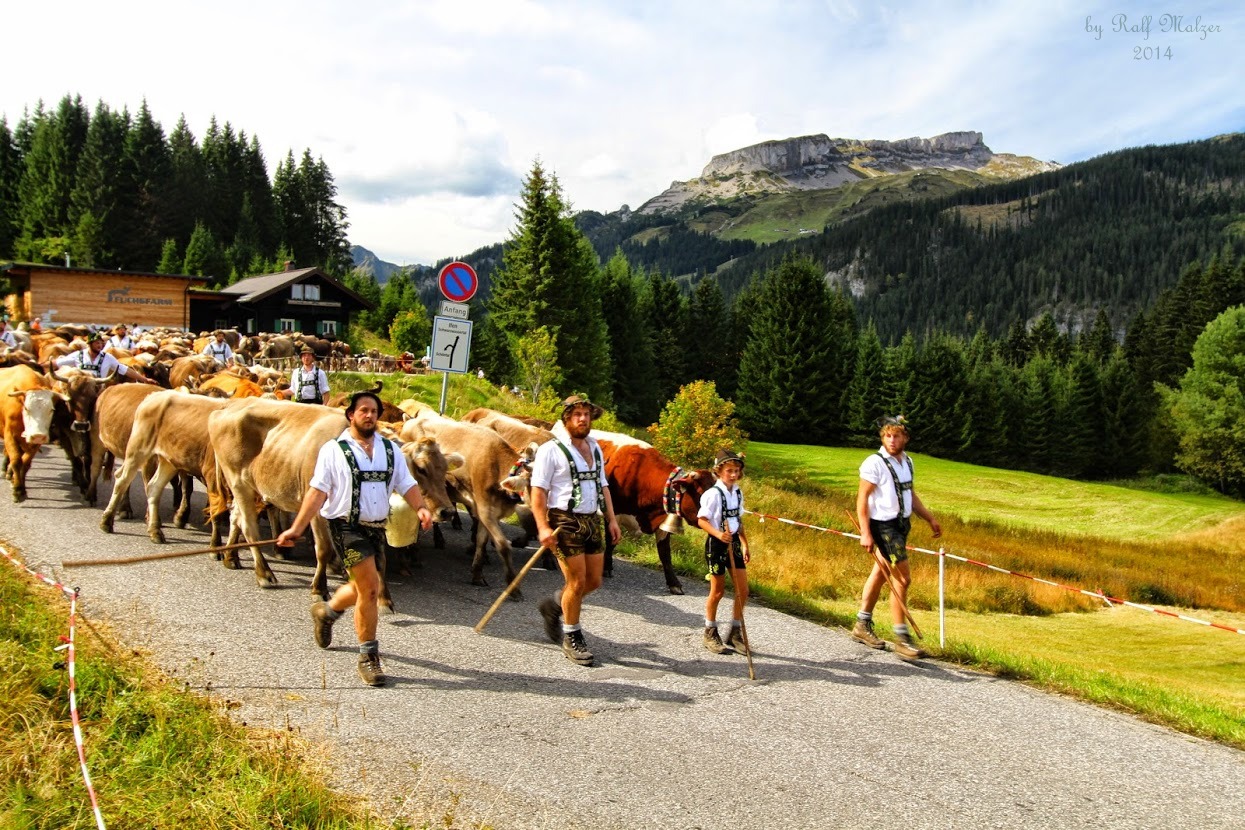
(942, 599)
(445, 384)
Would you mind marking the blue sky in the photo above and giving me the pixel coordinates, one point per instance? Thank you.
(430, 113)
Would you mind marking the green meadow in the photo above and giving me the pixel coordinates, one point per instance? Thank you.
(1180, 551)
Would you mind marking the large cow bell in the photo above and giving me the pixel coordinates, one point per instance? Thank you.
(673, 523)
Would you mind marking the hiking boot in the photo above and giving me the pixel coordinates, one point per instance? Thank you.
(552, 612)
(575, 649)
(907, 649)
(736, 639)
(862, 632)
(370, 670)
(713, 642)
(322, 626)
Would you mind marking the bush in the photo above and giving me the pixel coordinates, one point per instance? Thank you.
(695, 424)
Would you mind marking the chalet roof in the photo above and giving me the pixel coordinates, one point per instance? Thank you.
(23, 269)
(253, 289)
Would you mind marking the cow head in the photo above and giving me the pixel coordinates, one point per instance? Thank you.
(81, 391)
(429, 465)
(520, 478)
(688, 487)
(37, 406)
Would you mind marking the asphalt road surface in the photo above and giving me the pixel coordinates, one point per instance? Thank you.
(500, 729)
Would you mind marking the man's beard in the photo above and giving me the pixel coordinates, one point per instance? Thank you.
(578, 430)
(365, 432)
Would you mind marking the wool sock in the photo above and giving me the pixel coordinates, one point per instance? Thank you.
(567, 629)
(369, 647)
(330, 614)
(901, 630)
(711, 623)
(864, 616)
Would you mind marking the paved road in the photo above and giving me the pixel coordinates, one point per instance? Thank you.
(501, 729)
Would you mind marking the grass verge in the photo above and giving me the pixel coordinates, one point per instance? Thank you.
(159, 756)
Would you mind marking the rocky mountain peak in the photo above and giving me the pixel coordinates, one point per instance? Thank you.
(818, 162)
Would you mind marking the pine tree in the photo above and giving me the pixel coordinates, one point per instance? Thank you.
(10, 176)
(50, 166)
(187, 186)
(866, 394)
(784, 382)
(1084, 442)
(665, 308)
(631, 343)
(937, 389)
(713, 354)
(93, 213)
(170, 259)
(142, 195)
(1099, 342)
(548, 278)
(203, 257)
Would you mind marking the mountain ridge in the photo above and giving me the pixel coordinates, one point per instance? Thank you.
(818, 162)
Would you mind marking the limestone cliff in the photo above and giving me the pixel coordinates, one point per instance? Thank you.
(817, 162)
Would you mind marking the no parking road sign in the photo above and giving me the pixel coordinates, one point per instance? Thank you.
(458, 282)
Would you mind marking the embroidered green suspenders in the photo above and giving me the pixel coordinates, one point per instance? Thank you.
(359, 477)
(578, 475)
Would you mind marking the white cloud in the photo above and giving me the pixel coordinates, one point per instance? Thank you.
(429, 113)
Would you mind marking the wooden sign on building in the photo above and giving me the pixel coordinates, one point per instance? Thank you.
(91, 296)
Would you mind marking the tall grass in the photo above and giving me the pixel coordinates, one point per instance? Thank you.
(1154, 548)
(158, 755)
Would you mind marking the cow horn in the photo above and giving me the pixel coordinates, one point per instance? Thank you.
(376, 389)
(56, 376)
(109, 379)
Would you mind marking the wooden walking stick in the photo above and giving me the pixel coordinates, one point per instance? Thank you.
(151, 557)
(743, 629)
(514, 583)
(886, 571)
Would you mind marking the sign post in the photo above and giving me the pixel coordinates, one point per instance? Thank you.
(451, 330)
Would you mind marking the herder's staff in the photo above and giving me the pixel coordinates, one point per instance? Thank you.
(886, 571)
(151, 557)
(743, 629)
(514, 583)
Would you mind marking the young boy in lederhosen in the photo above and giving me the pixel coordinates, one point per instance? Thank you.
(726, 549)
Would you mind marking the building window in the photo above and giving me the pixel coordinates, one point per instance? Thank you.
(286, 325)
(328, 328)
(305, 292)
(220, 324)
(250, 325)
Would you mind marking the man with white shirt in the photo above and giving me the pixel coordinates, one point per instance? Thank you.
(568, 489)
(121, 339)
(350, 487)
(98, 363)
(7, 340)
(885, 501)
(219, 350)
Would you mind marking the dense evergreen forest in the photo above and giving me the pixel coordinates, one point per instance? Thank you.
(1043, 324)
(112, 190)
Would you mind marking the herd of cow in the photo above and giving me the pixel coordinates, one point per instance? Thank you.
(253, 453)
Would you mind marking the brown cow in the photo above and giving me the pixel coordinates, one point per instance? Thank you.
(191, 366)
(170, 429)
(231, 385)
(267, 451)
(81, 390)
(110, 435)
(26, 406)
(483, 484)
(518, 435)
(638, 479)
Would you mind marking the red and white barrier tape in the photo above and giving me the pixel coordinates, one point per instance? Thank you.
(1094, 594)
(69, 643)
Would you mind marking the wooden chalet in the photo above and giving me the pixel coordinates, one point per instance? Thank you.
(305, 299)
(69, 295)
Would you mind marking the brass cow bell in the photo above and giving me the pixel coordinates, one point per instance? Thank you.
(673, 523)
